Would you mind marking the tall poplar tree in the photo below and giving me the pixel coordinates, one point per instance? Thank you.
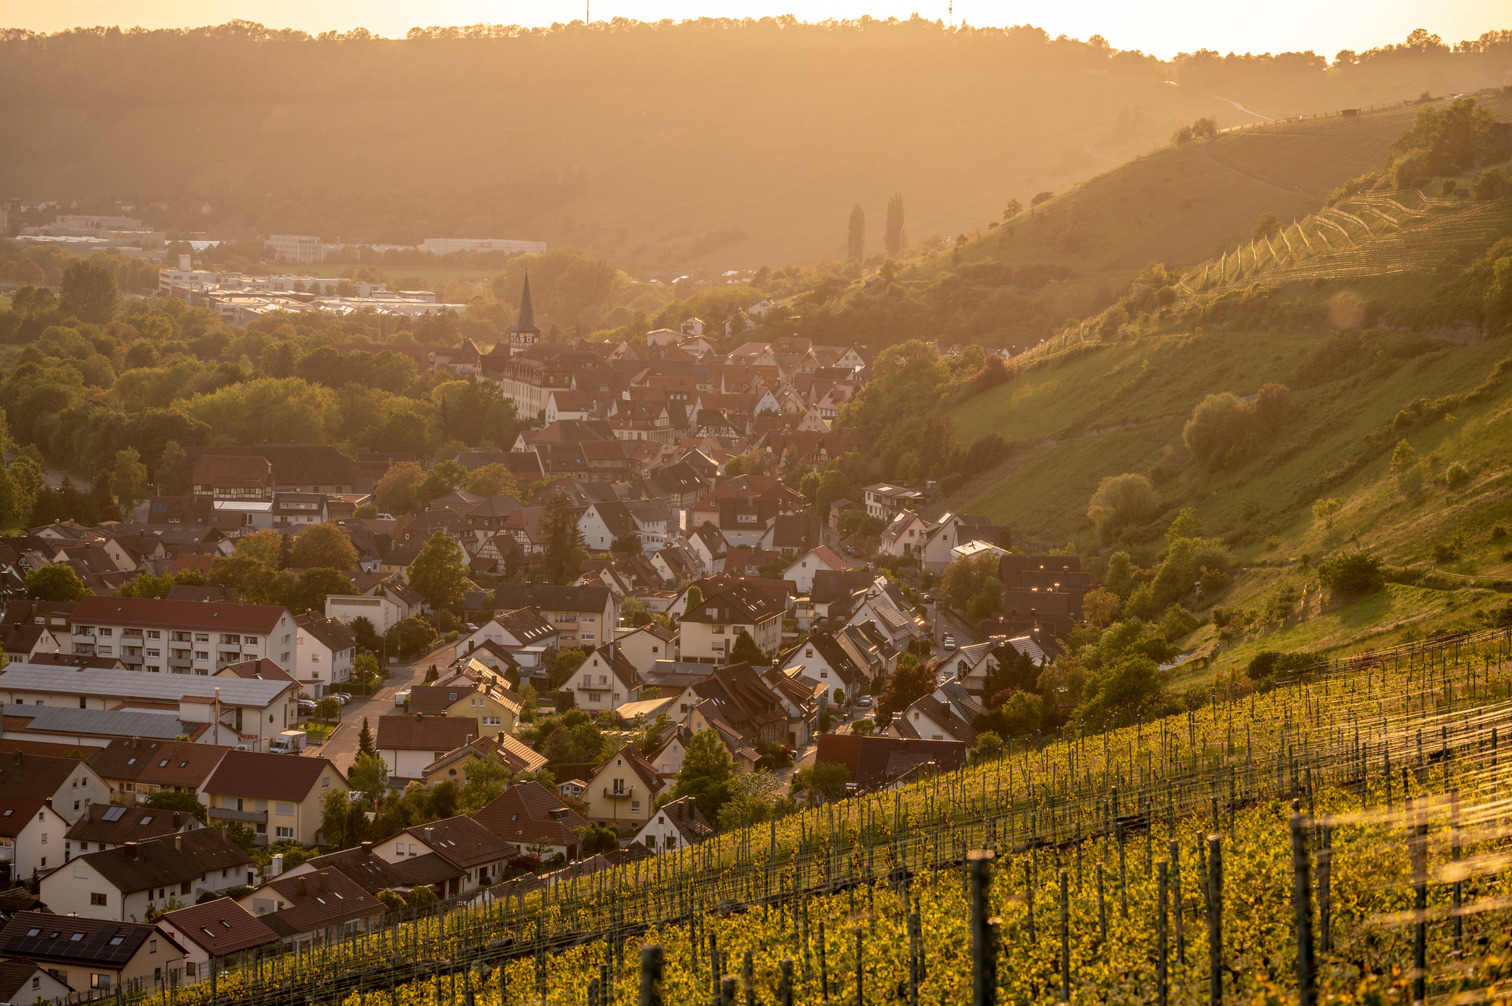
(893, 236)
(856, 237)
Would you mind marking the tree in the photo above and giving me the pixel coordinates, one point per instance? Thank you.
(855, 235)
(55, 583)
(745, 650)
(144, 584)
(410, 635)
(395, 492)
(486, 779)
(752, 796)
(1403, 456)
(335, 812)
(439, 573)
(1269, 226)
(309, 591)
(1351, 573)
(327, 545)
(1117, 694)
(365, 739)
(705, 775)
(493, 480)
(1184, 526)
(369, 776)
(1012, 210)
(328, 709)
(181, 800)
(693, 598)
(1102, 607)
(822, 782)
(893, 236)
(173, 472)
(88, 292)
(1121, 500)
(1040, 199)
(128, 478)
(910, 682)
(564, 542)
(965, 579)
(599, 838)
(366, 671)
(1326, 511)
(988, 745)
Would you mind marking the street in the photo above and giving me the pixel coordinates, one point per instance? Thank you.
(341, 746)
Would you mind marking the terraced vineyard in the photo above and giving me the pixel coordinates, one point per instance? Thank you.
(1370, 234)
(1400, 851)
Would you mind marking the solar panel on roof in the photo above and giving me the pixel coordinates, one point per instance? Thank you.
(114, 813)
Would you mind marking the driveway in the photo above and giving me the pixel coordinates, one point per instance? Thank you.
(341, 746)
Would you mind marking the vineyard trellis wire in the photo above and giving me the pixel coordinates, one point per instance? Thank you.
(1341, 731)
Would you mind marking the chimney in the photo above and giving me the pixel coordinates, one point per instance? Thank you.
(367, 847)
(429, 835)
(322, 877)
(302, 888)
(131, 850)
(178, 843)
(177, 817)
(275, 868)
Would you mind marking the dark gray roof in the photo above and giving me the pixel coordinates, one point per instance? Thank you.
(169, 860)
(51, 938)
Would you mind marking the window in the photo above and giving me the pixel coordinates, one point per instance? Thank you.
(635, 806)
(107, 632)
(152, 946)
(325, 782)
(619, 786)
(154, 634)
(96, 898)
(283, 832)
(98, 981)
(398, 848)
(284, 809)
(184, 887)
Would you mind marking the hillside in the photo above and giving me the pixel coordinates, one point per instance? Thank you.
(594, 136)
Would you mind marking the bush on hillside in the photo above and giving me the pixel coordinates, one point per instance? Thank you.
(1121, 500)
(1351, 573)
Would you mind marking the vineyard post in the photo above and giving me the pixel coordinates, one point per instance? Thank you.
(1302, 906)
(651, 975)
(983, 931)
(727, 996)
(785, 989)
(1419, 848)
(1065, 939)
(823, 965)
(1174, 848)
(1325, 892)
(606, 987)
(1454, 851)
(1123, 889)
(860, 970)
(1102, 908)
(1215, 920)
(1028, 900)
(1162, 987)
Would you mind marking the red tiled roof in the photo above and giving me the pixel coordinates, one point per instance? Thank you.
(153, 612)
(220, 927)
(267, 776)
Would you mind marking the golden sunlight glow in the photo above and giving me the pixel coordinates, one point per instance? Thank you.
(1163, 30)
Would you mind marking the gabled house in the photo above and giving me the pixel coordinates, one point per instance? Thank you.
(135, 768)
(463, 843)
(217, 933)
(374, 875)
(606, 680)
(623, 789)
(23, 980)
(91, 955)
(802, 569)
(530, 816)
(931, 717)
(501, 748)
(276, 796)
(408, 744)
(584, 617)
(67, 785)
(709, 630)
(30, 835)
(128, 882)
(111, 827)
(644, 646)
(325, 906)
(745, 701)
(491, 708)
(523, 633)
(678, 825)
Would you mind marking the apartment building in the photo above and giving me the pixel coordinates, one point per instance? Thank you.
(181, 637)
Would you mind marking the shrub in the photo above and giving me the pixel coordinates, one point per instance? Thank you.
(1121, 500)
(1346, 573)
(1456, 475)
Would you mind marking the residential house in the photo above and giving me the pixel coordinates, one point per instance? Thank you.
(23, 980)
(215, 934)
(277, 796)
(525, 636)
(678, 825)
(743, 700)
(644, 646)
(67, 785)
(531, 816)
(623, 789)
(408, 744)
(327, 647)
(1002, 652)
(110, 827)
(584, 617)
(906, 534)
(297, 510)
(135, 768)
(375, 875)
(931, 717)
(133, 880)
(884, 500)
(302, 468)
(709, 630)
(606, 680)
(385, 603)
(880, 763)
(491, 708)
(802, 569)
(181, 637)
(311, 909)
(470, 847)
(31, 834)
(500, 749)
(93, 956)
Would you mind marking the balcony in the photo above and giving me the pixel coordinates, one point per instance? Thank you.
(624, 794)
(179, 663)
(231, 814)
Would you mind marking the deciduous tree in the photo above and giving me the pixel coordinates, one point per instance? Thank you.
(55, 583)
(326, 545)
(88, 292)
(855, 235)
(439, 573)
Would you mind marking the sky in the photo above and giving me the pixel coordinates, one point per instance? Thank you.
(1162, 29)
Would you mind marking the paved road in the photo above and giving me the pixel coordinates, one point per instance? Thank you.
(341, 747)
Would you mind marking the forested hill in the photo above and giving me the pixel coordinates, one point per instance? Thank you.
(701, 145)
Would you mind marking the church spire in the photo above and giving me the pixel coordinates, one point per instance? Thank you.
(525, 324)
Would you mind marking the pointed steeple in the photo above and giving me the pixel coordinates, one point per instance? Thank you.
(525, 324)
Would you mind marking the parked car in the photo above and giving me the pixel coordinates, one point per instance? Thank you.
(865, 701)
(342, 697)
(307, 705)
(928, 599)
(949, 642)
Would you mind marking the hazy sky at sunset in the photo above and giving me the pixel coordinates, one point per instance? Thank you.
(1163, 29)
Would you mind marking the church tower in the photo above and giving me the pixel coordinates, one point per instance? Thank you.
(524, 334)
